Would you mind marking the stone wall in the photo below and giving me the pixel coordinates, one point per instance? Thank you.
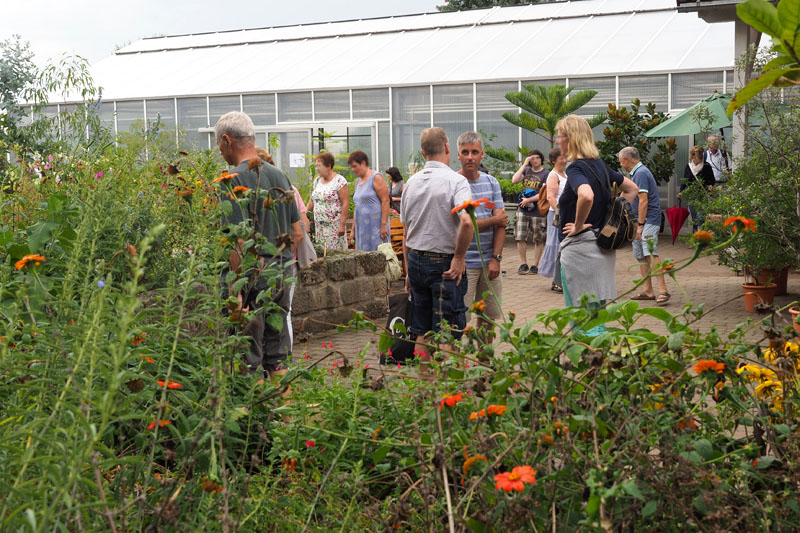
(330, 289)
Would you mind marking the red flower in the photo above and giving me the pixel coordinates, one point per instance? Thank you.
(516, 479)
(310, 444)
(450, 400)
(741, 223)
(470, 205)
(169, 384)
(161, 424)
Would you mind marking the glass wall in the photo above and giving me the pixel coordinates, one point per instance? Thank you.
(106, 115)
(491, 103)
(192, 114)
(453, 111)
(370, 103)
(294, 107)
(331, 105)
(130, 114)
(606, 93)
(162, 112)
(385, 146)
(411, 113)
(646, 88)
(260, 108)
(219, 105)
(691, 87)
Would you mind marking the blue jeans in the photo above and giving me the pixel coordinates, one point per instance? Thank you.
(435, 299)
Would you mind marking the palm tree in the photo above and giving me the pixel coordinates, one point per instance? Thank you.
(542, 107)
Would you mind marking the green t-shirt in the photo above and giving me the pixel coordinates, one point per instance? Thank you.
(269, 224)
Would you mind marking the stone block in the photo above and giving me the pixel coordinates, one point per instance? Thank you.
(342, 267)
(381, 285)
(326, 297)
(356, 290)
(314, 274)
(371, 263)
(376, 308)
(304, 300)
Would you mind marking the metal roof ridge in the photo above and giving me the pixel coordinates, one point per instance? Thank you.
(478, 23)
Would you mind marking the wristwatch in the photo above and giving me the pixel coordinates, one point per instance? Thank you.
(497, 256)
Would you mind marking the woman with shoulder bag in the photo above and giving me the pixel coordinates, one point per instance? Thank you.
(585, 267)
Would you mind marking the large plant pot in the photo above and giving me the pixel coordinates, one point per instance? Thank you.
(780, 278)
(795, 312)
(758, 294)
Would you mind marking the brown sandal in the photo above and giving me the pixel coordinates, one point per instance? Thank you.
(663, 298)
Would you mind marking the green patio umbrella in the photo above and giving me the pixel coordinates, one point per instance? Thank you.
(684, 123)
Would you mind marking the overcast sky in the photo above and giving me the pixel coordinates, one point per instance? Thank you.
(93, 28)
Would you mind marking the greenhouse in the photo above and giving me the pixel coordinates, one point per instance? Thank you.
(375, 84)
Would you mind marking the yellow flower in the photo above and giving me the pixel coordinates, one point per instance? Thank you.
(768, 388)
(756, 373)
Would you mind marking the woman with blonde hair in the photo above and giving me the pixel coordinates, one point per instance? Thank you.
(585, 267)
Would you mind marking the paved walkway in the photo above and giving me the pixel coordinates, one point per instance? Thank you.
(527, 295)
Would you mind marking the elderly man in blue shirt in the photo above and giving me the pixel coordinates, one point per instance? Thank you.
(648, 207)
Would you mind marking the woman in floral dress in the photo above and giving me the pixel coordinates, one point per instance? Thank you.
(329, 201)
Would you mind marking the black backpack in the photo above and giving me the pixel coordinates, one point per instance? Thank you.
(619, 226)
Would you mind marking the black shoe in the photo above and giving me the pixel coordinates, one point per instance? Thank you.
(523, 269)
(533, 270)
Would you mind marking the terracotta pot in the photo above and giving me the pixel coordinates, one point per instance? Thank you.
(758, 294)
(795, 312)
(780, 278)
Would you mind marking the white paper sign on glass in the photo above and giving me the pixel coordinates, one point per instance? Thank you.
(297, 160)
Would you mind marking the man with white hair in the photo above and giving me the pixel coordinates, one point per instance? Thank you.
(718, 159)
(275, 220)
(648, 207)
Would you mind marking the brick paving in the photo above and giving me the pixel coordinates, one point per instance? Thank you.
(528, 295)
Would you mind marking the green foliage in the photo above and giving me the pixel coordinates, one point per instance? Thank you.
(782, 23)
(628, 128)
(460, 5)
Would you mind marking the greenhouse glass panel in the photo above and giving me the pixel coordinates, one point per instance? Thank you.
(384, 145)
(453, 112)
(106, 115)
(191, 116)
(691, 87)
(370, 103)
(331, 105)
(491, 105)
(730, 82)
(219, 105)
(606, 93)
(411, 113)
(294, 107)
(260, 108)
(646, 88)
(163, 111)
(130, 114)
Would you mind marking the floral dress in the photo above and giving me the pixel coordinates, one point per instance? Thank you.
(328, 213)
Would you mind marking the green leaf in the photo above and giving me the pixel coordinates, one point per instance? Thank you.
(275, 321)
(593, 505)
(699, 503)
(761, 15)
(783, 429)
(574, 353)
(789, 18)
(237, 286)
(779, 61)
(476, 526)
(649, 508)
(657, 312)
(39, 233)
(764, 462)
(632, 489)
(754, 87)
(675, 341)
(380, 454)
(704, 448)
(425, 438)
(385, 342)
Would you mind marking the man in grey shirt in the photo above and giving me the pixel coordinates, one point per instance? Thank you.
(436, 241)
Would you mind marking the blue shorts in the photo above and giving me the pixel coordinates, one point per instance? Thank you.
(435, 299)
(649, 243)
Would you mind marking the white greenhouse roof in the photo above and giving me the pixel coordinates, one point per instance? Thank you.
(565, 39)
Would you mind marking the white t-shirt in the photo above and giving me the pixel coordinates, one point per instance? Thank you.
(562, 182)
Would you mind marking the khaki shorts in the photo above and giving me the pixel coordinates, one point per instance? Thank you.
(478, 283)
(530, 228)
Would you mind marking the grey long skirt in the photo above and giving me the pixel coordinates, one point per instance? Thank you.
(587, 268)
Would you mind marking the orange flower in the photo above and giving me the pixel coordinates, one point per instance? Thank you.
(470, 462)
(22, 263)
(289, 464)
(687, 424)
(148, 359)
(376, 433)
(161, 424)
(667, 266)
(138, 339)
(741, 223)
(703, 236)
(470, 205)
(475, 414)
(704, 365)
(169, 384)
(450, 400)
(209, 485)
(516, 479)
(240, 189)
(225, 177)
(478, 307)
(546, 439)
(496, 409)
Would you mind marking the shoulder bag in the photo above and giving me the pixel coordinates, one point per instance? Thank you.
(619, 226)
(543, 203)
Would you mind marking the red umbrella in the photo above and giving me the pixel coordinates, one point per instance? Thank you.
(677, 216)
